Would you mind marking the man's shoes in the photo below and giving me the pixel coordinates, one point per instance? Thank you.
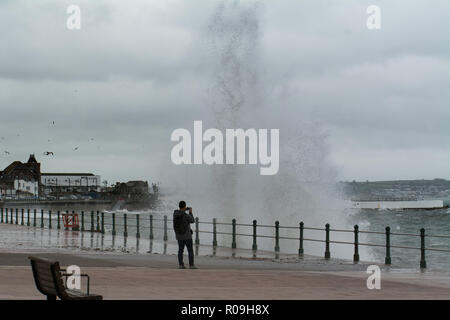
(193, 267)
(182, 266)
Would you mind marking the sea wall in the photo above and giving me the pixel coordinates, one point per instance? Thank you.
(61, 205)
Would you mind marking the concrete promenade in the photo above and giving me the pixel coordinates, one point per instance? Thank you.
(153, 276)
(135, 275)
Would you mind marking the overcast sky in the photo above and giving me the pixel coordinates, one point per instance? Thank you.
(139, 69)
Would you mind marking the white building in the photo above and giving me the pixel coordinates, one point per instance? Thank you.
(27, 187)
(20, 189)
(69, 182)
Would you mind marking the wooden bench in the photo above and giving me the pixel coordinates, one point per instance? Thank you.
(48, 277)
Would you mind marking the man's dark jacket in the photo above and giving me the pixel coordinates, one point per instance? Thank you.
(188, 218)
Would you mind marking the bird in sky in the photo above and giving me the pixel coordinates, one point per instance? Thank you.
(7, 152)
(47, 153)
(76, 148)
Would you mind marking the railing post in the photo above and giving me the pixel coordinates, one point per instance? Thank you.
(98, 221)
(356, 254)
(49, 219)
(34, 217)
(233, 241)
(277, 236)
(58, 217)
(11, 211)
(214, 233)
(67, 214)
(125, 231)
(423, 263)
(17, 216)
(197, 239)
(254, 246)
(103, 221)
(28, 217)
(73, 215)
(22, 223)
(6, 215)
(82, 220)
(92, 221)
(165, 228)
(113, 224)
(327, 241)
(151, 227)
(387, 260)
(300, 247)
(2, 215)
(42, 218)
(138, 234)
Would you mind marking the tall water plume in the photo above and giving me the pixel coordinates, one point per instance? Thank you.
(305, 187)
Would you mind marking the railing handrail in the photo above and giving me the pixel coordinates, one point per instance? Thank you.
(249, 225)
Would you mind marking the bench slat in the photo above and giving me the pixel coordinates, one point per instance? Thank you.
(45, 277)
(50, 282)
(44, 272)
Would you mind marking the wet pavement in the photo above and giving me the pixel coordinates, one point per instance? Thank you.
(17, 238)
(131, 268)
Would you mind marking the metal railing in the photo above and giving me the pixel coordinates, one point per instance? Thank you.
(95, 222)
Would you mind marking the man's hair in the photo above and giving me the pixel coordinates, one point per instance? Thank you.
(182, 204)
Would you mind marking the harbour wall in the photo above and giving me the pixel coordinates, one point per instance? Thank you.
(405, 204)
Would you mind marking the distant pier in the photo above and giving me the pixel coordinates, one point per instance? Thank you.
(397, 204)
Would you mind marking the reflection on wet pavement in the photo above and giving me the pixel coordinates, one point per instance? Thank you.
(13, 237)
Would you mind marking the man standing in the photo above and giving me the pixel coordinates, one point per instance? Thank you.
(183, 233)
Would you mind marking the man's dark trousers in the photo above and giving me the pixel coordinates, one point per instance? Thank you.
(190, 249)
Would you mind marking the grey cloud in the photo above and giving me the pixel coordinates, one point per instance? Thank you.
(137, 70)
